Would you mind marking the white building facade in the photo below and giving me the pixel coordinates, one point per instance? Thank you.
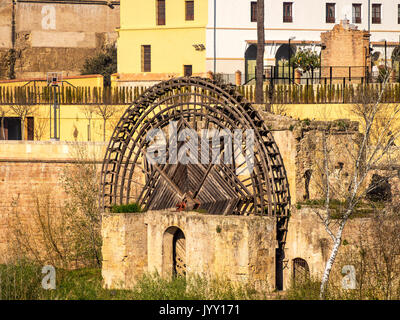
(232, 29)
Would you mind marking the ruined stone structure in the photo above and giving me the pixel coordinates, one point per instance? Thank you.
(239, 247)
(342, 47)
(230, 236)
(37, 36)
(234, 247)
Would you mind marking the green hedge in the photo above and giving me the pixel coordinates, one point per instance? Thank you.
(126, 208)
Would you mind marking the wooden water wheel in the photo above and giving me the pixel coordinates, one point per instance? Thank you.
(195, 103)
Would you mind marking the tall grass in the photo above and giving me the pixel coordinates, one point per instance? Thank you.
(22, 281)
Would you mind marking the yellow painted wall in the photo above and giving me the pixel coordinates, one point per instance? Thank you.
(71, 117)
(171, 44)
(322, 112)
(95, 80)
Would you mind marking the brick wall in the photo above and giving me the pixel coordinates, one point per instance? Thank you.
(345, 47)
(29, 169)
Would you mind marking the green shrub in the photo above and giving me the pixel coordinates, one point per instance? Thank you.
(307, 290)
(21, 281)
(126, 208)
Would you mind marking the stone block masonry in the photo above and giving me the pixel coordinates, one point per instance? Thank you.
(28, 169)
(236, 248)
(345, 47)
(54, 36)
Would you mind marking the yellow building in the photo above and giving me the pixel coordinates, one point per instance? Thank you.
(77, 120)
(161, 39)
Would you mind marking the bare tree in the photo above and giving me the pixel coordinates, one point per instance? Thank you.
(105, 112)
(260, 52)
(63, 233)
(371, 148)
(24, 111)
(88, 111)
(41, 126)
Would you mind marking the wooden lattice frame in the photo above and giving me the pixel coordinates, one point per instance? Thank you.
(196, 100)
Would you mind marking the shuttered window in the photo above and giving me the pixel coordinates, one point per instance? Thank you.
(287, 12)
(376, 13)
(189, 10)
(253, 13)
(330, 13)
(356, 13)
(398, 14)
(146, 58)
(187, 70)
(160, 12)
(31, 128)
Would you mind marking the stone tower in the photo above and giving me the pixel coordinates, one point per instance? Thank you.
(343, 47)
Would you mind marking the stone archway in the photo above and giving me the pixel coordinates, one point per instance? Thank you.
(250, 58)
(174, 252)
(301, 271)
(282, 59)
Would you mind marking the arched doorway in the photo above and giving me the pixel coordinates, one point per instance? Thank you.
(301, 271)
(250, 57)
(282, 58)
(179, 253)
(396, 63)
(174, 252)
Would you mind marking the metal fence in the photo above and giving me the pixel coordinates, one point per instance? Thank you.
(327, 75)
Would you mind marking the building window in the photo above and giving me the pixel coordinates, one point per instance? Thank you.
(254, 11)
(330, 13)
(287, 12)
(189, 10)
(187, 70)
(376, 13)
(160, 12)
(356, 13)
(146, 58)
(398, 13)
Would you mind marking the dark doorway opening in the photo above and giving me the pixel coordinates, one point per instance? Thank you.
(279, 256)
(11, 130)
(187, 70)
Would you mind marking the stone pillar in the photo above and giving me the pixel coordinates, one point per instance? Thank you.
(343, 47)
(238, 78)
(297, 76)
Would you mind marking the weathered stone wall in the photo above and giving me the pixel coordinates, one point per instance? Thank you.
(5, 36)
(233, 247)
(238, 248)
(308, 239)
(54, 36)
(301, 146)
(28, 169)
(345, 46)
